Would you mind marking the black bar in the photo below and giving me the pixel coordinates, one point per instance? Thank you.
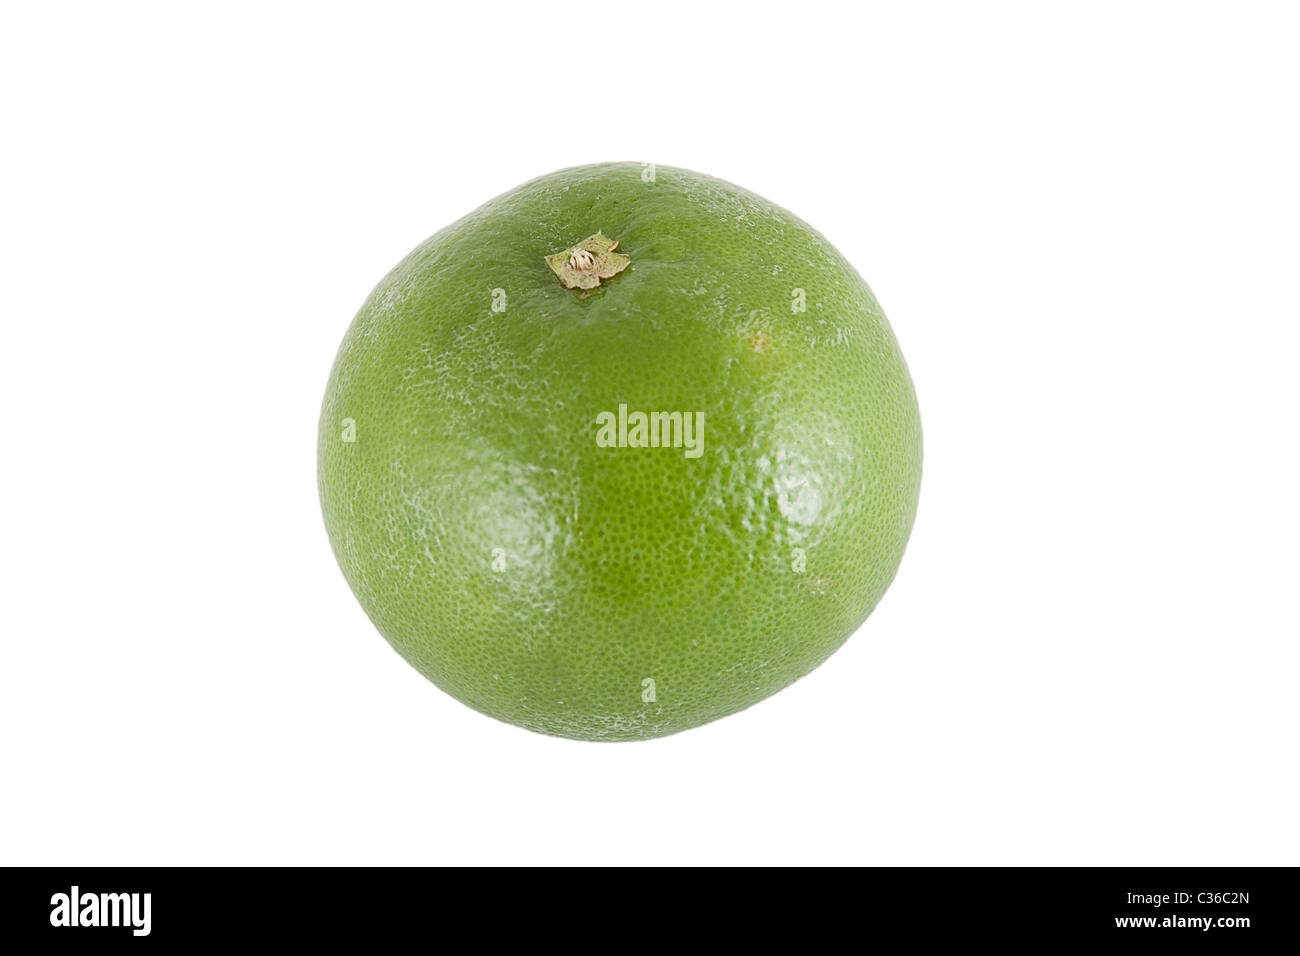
(1229, 907)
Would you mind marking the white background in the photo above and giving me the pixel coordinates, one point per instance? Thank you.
(1082, 219)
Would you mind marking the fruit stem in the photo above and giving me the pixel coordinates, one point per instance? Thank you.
(583, 265)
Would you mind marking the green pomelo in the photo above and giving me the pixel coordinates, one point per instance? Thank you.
(531, 546)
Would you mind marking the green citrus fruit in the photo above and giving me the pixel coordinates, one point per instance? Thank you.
(622, 451)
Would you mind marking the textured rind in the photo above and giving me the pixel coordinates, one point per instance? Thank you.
(542, 579)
